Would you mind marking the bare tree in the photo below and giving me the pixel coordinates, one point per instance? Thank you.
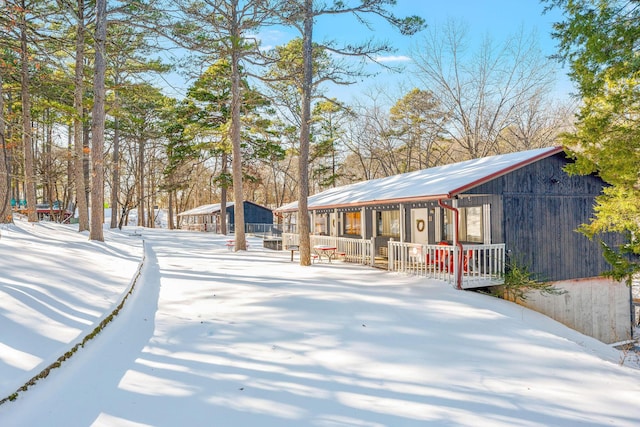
(301, 14)
(537, 124)
(481, 90)
(139, 124)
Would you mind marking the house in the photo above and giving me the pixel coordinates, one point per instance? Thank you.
(465, 222)
(207, 217)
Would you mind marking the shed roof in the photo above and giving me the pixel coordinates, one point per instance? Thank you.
(439, 182)
(204, 209)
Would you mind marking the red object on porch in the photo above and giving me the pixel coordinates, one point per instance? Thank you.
(442, 258)
(465, 263)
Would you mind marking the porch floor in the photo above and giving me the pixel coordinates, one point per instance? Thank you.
(468, 281)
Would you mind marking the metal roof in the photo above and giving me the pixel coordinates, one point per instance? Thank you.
(204, 209)
(439, 182)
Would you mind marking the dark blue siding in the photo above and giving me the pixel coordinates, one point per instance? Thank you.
(253, 214)
(541, 208)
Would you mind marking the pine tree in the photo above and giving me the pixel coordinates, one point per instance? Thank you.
(599, 39)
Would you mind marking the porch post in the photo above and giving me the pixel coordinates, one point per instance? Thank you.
(297, 216)
(457, 247)
(402, 224)
(372, 251)
(363, 222)
(334, 222)
(456, 229)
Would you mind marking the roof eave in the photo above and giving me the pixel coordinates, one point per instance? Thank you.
(505, 171)
(372, 202)
(451, 194)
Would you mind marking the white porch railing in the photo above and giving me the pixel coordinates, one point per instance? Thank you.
(482, 265)
(357, 251)
(290, 239)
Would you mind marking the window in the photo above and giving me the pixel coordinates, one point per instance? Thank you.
(321, 225)
(471, 225)
(388, 223)
(352, 223)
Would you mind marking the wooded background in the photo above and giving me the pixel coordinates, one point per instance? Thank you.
(239, 130)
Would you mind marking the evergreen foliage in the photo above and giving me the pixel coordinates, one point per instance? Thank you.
(519, 281)
(599, 40)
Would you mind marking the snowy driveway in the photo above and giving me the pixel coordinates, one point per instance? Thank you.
(217, 338)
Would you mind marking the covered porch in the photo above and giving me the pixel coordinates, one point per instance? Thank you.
(456, 222)
(465, 266)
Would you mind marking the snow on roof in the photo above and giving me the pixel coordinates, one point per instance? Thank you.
(433, 183)
(204, 209)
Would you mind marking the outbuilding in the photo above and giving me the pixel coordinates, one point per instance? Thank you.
(208, 217)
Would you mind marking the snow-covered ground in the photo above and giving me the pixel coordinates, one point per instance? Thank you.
(211, 337)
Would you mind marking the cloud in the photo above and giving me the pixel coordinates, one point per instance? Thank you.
(393, 58)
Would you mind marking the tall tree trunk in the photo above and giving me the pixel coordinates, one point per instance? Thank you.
(141, 162)
(78, 124)
(86, 150)
(115, 178)
(47, 160)
(70, 179)
(6, 215)
(97, 128)
(151, 212)
(13, 176)
(29, 174)
(238, 196)
(303, 160)
(170, 224)
(223, 197)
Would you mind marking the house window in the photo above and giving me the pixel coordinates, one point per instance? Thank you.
(321, 225)
(388, 223)
(471, 225)
(352, 223)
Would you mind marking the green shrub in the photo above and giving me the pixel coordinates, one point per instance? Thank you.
(518, 281)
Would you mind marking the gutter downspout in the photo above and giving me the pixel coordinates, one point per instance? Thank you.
(457, 261)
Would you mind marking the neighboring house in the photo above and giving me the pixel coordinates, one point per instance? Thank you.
(513, 207)
(208, 218)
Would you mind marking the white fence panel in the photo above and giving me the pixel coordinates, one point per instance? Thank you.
(351, 250)
(482, 265)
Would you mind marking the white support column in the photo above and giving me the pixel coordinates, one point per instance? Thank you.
(363, 222)
(437, 222)
(374, 223)
(334, 223)
(486, 218)
(456, 229)
(402, 224)
(372, 251)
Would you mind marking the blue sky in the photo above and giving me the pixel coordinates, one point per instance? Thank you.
(497, 19)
